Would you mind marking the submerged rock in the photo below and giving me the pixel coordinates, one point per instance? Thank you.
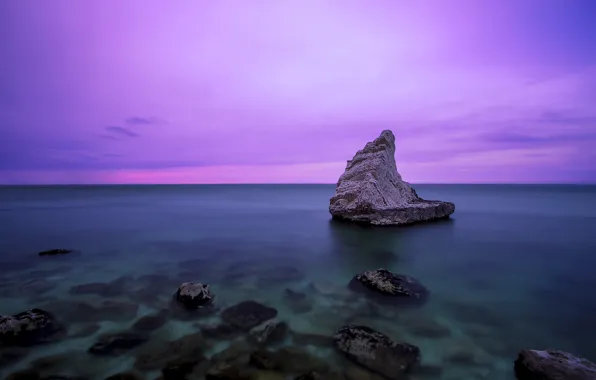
(29, 328)
(116, 344)
(150, 322)
(194, 295)
(248, 314)
(553, 365)
(376, 351)
(298, 302)
(371, 191)
(53, 252)
(390, 286)
(271, 333)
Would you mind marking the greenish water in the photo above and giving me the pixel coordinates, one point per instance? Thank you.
(512, 269)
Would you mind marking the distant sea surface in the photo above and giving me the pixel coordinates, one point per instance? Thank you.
(513, 268)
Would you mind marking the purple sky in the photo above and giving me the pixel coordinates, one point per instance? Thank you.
(191, 91)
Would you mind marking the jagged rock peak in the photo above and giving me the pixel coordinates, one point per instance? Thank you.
(372, 191)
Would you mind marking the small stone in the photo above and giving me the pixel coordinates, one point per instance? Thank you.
(248, 314)
(194, 295)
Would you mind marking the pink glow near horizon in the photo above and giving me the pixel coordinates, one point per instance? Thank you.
(267, 91)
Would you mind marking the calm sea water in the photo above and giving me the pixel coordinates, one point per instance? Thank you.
(513, 268)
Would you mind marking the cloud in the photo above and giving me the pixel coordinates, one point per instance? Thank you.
(121, 131)
(139, 120)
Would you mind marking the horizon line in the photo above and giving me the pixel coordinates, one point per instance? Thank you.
(291, 184)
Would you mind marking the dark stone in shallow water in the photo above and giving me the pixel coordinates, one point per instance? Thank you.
(53, 252)
(115, 344)
(150, 322)
(390, 287)
(248, 314)
(160, 356)
(29, 328)
(194, 295)
(298, 302)
(376, 351)
(553, 365)
(271, 333)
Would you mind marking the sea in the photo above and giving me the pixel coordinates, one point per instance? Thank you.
(513, 268)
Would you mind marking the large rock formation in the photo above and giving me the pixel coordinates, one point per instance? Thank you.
(553, 365)
(372, 191)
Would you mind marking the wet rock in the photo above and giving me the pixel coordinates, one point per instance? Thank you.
(54, 252)
(279, 275)
(172, 354)
(248, 314)
(271, 333)
(371, 191)
(126, 376)
(150, 322)
(29, 328)
(298, 302)
(116, 344)
(194, 295)
(376, 351)
(553, 365)
(85, 330)
(390, 287)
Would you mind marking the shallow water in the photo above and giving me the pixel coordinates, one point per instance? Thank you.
(512, 269)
